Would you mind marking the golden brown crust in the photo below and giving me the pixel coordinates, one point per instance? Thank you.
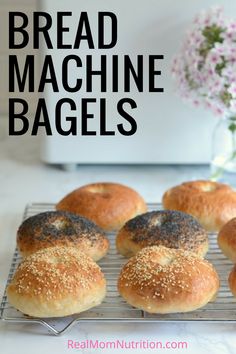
(59, 228)
(109, 205)
(56, 281)
(227, 240)
(164, 280)
(212, 203)
(232, 280)
(173, 229)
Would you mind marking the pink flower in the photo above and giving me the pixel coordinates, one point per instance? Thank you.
(196, 103)
(232, 26)
(214, 58)
(206, 71)
(219, 111)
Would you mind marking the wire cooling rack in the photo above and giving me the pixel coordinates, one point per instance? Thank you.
(114, 308)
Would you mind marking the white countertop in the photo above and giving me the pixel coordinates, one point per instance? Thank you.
(24, 179)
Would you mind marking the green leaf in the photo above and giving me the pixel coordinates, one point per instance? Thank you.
(221, 66)
(232, 127)
(212, 35)
(226, 97)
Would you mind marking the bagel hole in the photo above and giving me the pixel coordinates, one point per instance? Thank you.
(165, 261)
(208, 187)
(97, 190)
(156, 221)
(60, 224)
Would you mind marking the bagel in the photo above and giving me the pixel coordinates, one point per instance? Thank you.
(109, 205)
(56, 282)
(227, 240)
(164, 280)
(173, 229)
(59, 228)
(232, 280)
(212, 203)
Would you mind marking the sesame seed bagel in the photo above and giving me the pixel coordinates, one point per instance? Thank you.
(55, 282)
(109, 205)
(168, 228)
(59, 228)
(164, 280)
(212, 203)
(232, 280)
(227, 240)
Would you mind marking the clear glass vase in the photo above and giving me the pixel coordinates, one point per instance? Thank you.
(223, 163)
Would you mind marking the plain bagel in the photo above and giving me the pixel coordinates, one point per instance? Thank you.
(227, 240)
(212, 203)
(232, 280)
(109, 205)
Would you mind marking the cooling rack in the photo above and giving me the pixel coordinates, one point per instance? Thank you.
(114, 308)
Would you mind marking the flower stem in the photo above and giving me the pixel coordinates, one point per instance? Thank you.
(220, 170)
